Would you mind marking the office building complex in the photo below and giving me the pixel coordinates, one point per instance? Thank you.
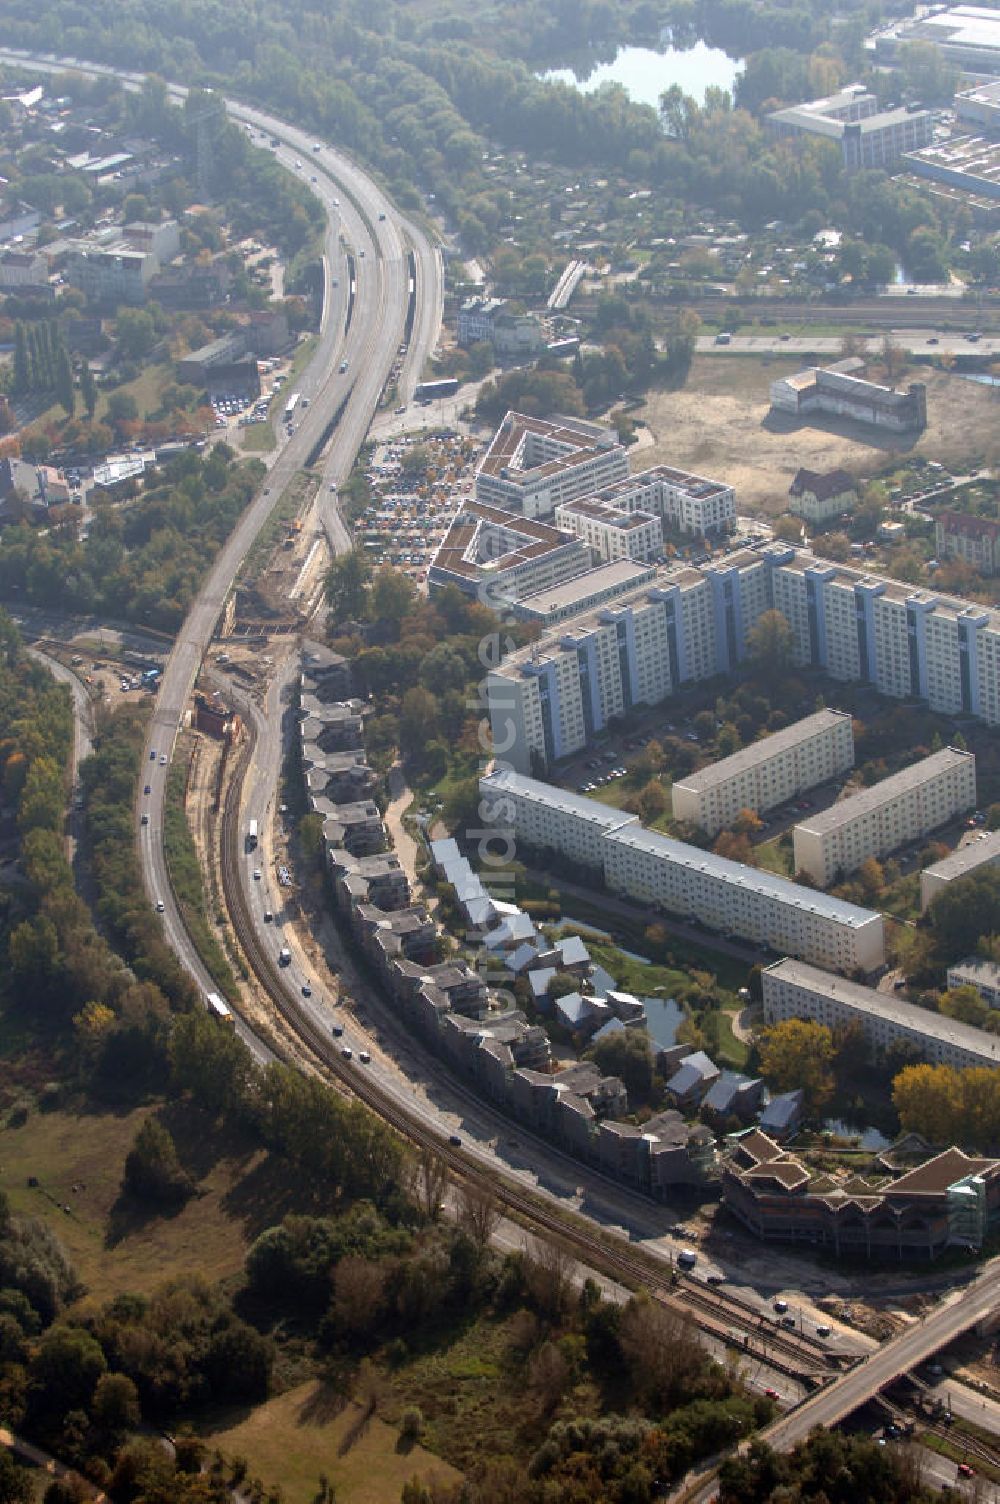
(535, 464)
(498, 557)
(653, 869)
(884, 817)
(974, 539)
(983, 850)
(611, 532)
(768, 772)
(866, 135)
(837, 389)
(553, 697)
(795, 990)
(686, 504)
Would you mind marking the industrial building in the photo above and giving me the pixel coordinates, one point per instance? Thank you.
(837, 390)
(768, 772)
(668, 874)
(983, 850)
(968, 35)
(793, 989)
(866, 135)
(535, 464)
(886, 816)
(970, 164)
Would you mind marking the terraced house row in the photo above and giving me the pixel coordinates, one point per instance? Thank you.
(549, 700)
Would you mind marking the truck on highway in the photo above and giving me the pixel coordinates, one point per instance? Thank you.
(218, 1008)
(290, 406)
(284, 956)
(252, 836)
(687, 1258)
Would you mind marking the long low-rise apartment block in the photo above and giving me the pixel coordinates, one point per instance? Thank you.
(886, 816)
(644, 865)
(535, 464)
(691, 623)
(768, 772)
(793, 989)
(983, 850)
(977, 972)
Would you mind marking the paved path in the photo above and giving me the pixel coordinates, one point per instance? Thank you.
(401, 797)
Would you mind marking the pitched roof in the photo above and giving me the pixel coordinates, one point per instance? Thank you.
(821, 484)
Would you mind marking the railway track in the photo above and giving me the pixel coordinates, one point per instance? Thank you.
(722, 1316)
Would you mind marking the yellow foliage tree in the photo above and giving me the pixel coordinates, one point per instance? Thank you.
(798, 1053)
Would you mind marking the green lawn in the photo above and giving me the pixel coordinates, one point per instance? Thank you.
(309, 1431)
(775, 858)
(258, 438)
(112, 1250)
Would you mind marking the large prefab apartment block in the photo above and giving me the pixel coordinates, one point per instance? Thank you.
(881, 819)
(768, 772)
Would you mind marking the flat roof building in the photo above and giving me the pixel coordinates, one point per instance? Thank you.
(535, 464)
(982, 850)
(498, 556)
(749, 902)
(584, 592)
(550, 818)
(886, 816)
(768, 772)
(977, 972)
(793, 989)
(611, 532)
(867, 136)
(968, 35)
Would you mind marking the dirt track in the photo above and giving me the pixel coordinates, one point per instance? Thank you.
(720, 426)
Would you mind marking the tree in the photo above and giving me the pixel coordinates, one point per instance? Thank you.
(22, 362)
(478, 1213)
(627, 1053)
(963, 912)
(115, 1405)
(347, 582)
(418, 720)
(965, 1005)
(136, 332)
(65, 391)
(88, 389)
(798, 1052)
(65, 1370)
(651, 760)
(771, 644)
(16, 1486)
(871, 877)
(153, 1171)
(651, 802)
(393, 597)
(358, 1293)
(747, 822)
(122, 407)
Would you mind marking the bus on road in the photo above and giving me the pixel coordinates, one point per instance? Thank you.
(290, 406)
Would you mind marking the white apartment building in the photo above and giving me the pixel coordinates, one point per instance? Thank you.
(795, 990)
(819, 496)
(535, 464)
(884, 817)
(686, 503)
(549, 818)
(649, 867)
(768, 772)
(736, 900)
(694, 623)
(611, 532)
(974, 971)
(982, 850)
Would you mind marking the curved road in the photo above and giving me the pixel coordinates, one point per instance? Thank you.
(359, 214)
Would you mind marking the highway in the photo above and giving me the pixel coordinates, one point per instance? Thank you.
(361, 216)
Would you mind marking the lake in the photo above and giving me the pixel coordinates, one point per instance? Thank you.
(645, 74)
(663, 1018)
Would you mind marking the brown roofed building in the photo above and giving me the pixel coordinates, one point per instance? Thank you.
(974, 539)
(818, 497)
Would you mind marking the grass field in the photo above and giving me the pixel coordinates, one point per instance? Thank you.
(308, 1432)
(113, 1249)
